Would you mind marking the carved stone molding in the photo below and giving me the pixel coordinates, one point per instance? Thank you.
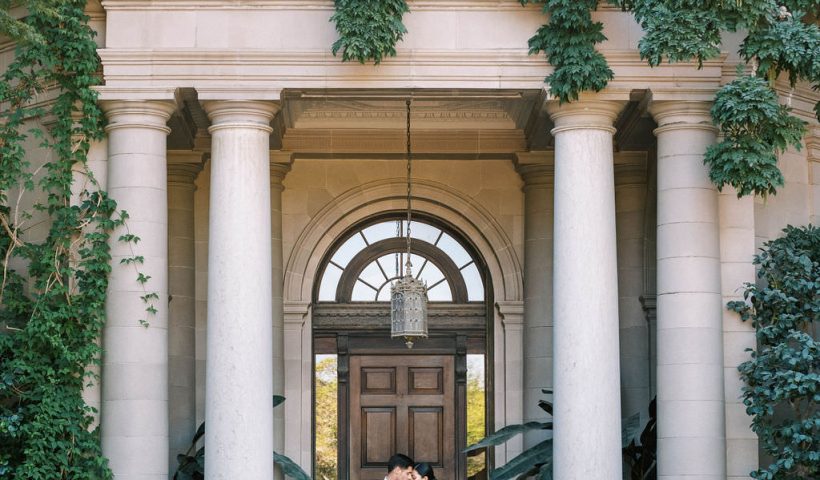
(649, 303)
(376, 316)
(296, 313)
(537, 169)
(512, 313)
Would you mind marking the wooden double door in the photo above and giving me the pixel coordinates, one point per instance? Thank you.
(402, 404)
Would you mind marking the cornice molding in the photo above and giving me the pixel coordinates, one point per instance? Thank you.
(404, 57)
(415, 5)
(263, 74)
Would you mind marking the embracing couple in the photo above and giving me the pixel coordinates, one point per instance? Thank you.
(401, 467)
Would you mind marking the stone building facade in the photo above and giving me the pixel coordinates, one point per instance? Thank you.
(245, 154)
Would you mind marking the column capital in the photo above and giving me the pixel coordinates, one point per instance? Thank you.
(240, 113)
(138, 114)
(183, 174)
(535, 168)
(277, 174)
(296, 312)
(630, 168)
(512, 312)
(536, 176)
(279, 166)
(680, 115)
(584, 114)
(184, 166)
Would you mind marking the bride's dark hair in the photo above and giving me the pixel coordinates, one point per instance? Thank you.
(425, 470)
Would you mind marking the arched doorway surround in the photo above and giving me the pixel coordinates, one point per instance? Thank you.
(391, 399)
(435, 200)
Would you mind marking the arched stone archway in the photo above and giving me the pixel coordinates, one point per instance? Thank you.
(432, 198)
(451, 207)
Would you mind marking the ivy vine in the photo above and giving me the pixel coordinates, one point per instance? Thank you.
(755, 127)
(52, 288)
(368, 29)
(783, 374)
(568, 39)
(781, 38)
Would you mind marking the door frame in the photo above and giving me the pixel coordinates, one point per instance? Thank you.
(363, 329)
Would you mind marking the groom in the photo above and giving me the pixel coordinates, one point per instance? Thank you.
(399, 467)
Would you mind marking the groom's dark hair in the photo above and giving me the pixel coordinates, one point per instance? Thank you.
(399, 460)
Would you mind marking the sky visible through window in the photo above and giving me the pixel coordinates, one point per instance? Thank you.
(373, 284)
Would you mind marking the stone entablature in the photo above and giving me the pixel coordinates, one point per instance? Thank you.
(254, 50)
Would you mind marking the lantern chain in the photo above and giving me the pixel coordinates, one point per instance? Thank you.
(398, 254)
(409, 172)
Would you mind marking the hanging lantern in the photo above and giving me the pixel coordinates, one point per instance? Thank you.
(408, 309)
(408, 295)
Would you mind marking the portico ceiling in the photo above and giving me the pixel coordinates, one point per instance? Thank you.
(371, 123)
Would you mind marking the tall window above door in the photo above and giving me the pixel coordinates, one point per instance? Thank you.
(368, 260)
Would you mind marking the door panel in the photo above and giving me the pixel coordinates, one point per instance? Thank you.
(401, 404)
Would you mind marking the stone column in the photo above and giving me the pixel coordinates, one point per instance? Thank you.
(512, 313)
(630, 199)
(277, 174)
(96, 167)
(239, 376)
(587, 431)
(298, 377)
(691, 440)
(135, 363)
(737, 250)
(183, 168)
(538, 213)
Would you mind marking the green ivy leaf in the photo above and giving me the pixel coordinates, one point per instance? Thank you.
(368, 29)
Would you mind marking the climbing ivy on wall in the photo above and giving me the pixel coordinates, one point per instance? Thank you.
(52, 285)
(368, 29)
(782, 36)
(568, 39)
(782, 376)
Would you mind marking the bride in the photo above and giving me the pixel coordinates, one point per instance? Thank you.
(423, 471)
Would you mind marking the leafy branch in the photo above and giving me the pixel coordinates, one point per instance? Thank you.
(134, 260)
(568, 40)
(52, 292)
(368, 29)
(782, 376)
(780, 39)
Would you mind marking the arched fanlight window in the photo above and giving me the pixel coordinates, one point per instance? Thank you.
(364, 265)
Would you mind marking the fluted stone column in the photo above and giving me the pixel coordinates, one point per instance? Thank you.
(737, 250)
(135, 362)
(183, 168)
(277, 174)
(239, 376)
(538, 212)
(587, 425)
(691, 440)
